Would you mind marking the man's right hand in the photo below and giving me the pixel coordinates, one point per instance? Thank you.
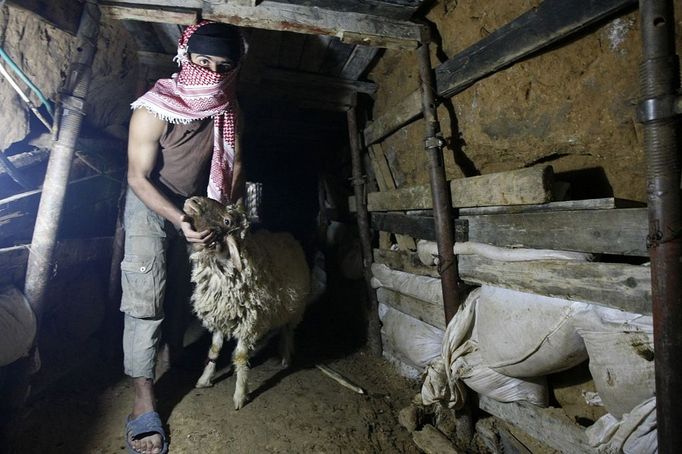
(204, 237)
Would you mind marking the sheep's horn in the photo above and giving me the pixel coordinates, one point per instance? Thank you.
(234, 252)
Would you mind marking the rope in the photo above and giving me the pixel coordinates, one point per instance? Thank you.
(26, 80)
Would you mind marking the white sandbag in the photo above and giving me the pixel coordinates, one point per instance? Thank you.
(409, 339)
(527, 335)
(421, 287)
(635, 433)
(427, 251)
(460, 362)
(17, 325)
(500, 387)
(622, 366)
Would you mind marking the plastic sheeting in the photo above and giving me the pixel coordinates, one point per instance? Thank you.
(17, 325)
(635, 433)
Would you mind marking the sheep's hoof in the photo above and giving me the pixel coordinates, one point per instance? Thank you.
(203, 384)
(285, 363)
(239, 401)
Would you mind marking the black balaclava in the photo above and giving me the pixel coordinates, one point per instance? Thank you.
(220, 40)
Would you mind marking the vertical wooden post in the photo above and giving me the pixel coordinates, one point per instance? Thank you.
(373, 323)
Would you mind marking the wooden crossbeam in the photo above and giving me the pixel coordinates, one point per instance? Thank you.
(550, 22)
(349, 26)
(516, 187)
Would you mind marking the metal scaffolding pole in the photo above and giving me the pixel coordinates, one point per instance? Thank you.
(659, 79)
(373, 322)
(440, 191)
(40, 266)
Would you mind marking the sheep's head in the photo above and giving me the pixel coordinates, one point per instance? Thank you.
(228, 222)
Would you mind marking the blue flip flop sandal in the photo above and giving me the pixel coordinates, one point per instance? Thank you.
(145, 424)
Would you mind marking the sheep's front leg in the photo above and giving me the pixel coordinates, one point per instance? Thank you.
(213, 353)
(286, 344)
(240, 359)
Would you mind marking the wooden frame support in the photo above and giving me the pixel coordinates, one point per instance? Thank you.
(365, 29)
(550, 22)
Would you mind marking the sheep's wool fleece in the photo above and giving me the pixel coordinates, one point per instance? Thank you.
(269, 292)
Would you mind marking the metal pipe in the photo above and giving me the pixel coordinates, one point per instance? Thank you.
(40, 267)
(373, 323)
(659, 79)
(440, 192)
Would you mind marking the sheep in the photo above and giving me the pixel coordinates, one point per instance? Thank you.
(246, 285)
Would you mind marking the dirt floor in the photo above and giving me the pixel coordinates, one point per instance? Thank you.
(292, 411)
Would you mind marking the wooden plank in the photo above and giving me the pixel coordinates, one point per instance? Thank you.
(65, 14)
(404, 261)
(401, 114)
(86, 210)
(273, 15)
(291, 50)
(616, 285)
(397, 9)
(516, 187)
(26, 159)
(426, 311)
(358, 62)
(68, 253)
(621, 232)
(544, 424)
(385, 181)
(152, 13)
(551, 21)
(430, 440)
(336, 56)
(568, 205)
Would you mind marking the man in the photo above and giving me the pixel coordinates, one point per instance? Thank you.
(183, 141)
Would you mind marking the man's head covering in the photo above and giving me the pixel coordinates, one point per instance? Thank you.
(221, 40)
(195, 93)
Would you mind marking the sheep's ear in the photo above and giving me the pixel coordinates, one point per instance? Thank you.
(234, 252)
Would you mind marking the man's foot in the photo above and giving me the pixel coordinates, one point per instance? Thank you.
(144, 431)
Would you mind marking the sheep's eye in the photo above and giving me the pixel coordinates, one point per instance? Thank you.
(227, 221)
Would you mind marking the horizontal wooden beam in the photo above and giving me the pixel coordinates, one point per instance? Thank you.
(605, 203)
(69, 253)
(152, 13)
(543, 424)
(314, 80)
(65, 14)
(517, 187)
(531, 32)
(617, 232)
(426, 311)
(616, 285)
(361, 28)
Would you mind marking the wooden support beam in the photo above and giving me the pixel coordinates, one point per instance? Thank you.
(617, 232)
(616, 285)
(548, 425)
(148, 13)
(516, 187)
(65, 14)
(349, 26)
(550, 22)
(314, 80)
(568, 205)
(27, 159)
(68, 253)
(426, 311)
(357, 63)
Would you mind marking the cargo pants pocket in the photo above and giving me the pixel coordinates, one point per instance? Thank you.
(143, 282)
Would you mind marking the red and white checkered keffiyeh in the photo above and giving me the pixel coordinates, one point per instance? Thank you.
(195, 93)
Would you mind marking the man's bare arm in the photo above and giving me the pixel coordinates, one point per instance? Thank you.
(143, 149)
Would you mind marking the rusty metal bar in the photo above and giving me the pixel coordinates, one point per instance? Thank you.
(659, 80)
(373, 323)
(440, 191)
(40, 266)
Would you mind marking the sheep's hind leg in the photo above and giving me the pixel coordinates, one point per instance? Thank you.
(286, 344)
(213, 353)
(240, 359)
